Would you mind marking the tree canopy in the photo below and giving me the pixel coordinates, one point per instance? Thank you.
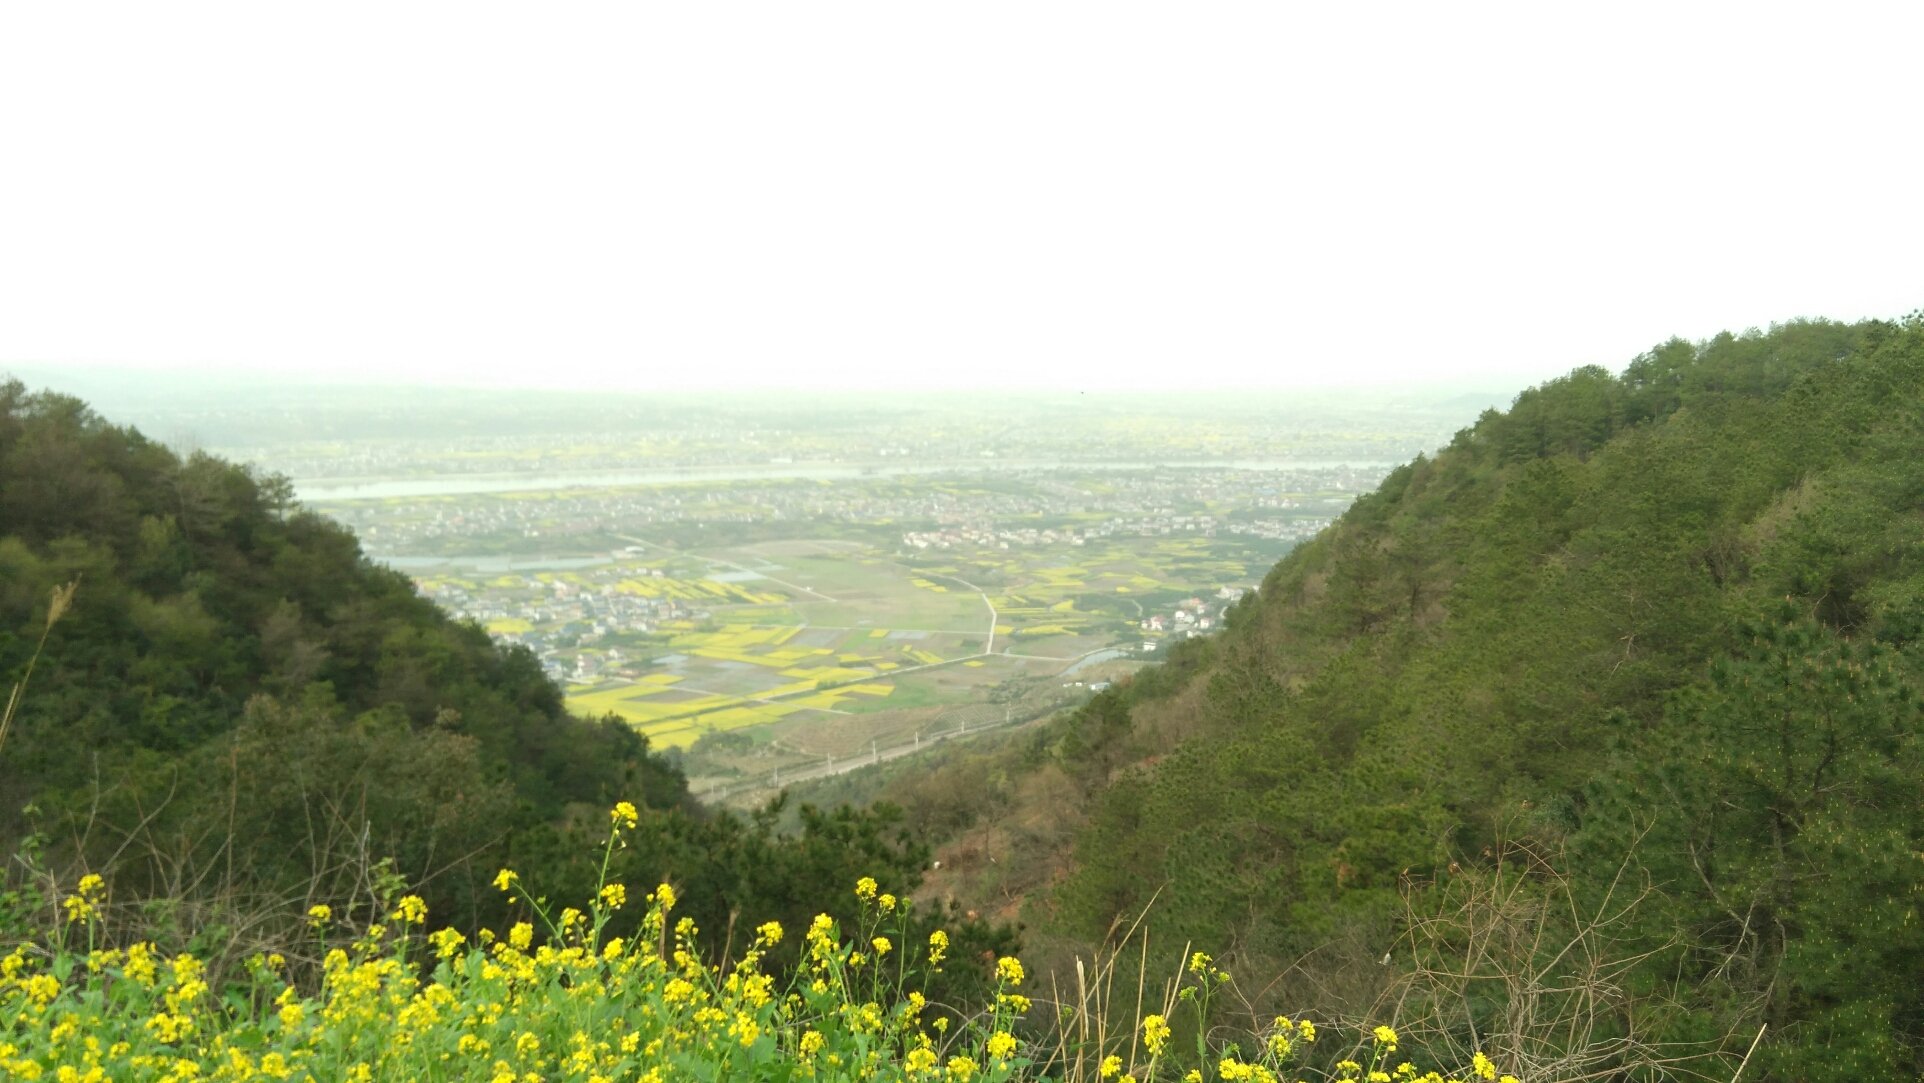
(1673, 618)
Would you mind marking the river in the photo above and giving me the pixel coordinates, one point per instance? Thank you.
(321, 490)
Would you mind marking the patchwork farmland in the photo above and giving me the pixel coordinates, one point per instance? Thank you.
(764, 627)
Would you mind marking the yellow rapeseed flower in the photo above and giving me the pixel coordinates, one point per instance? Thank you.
(446, 942)
(505, 879)
(624, 814)
(508, 1000)
(140, 964)
(84, 902)
(42, 988)
(1155, 1034)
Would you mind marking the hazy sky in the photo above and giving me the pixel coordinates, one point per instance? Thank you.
(908, 194)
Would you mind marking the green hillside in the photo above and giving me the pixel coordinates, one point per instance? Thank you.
(1626, 675)
(239, 716)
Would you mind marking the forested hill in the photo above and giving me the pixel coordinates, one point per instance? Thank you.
(240, 715)
(236, 688)
(1625, 676)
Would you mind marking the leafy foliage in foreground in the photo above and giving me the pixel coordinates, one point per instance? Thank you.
(581, 1004)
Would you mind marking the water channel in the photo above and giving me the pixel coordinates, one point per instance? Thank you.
(315, 490)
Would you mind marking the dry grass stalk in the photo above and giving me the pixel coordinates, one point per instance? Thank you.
(1511, 961)
(57, 607)
(1094, 1024)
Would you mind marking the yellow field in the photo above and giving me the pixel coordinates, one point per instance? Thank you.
(680, 724)
(695, 590)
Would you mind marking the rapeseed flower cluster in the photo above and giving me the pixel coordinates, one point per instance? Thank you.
(1279, 1049)
(404, 1004)
(84, 903)
(583, 1006)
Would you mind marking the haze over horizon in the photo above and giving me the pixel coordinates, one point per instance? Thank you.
(867, 196)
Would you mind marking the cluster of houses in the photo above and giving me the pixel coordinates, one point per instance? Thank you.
(564, 618)
(1278, 529)
(987, 537)
(1190, 618)
(407, 526)
(1191, 614)
(981, 535)
(952, 513)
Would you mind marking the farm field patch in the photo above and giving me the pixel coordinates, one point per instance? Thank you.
(795, 639)
(726, 622)
(785, 638)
